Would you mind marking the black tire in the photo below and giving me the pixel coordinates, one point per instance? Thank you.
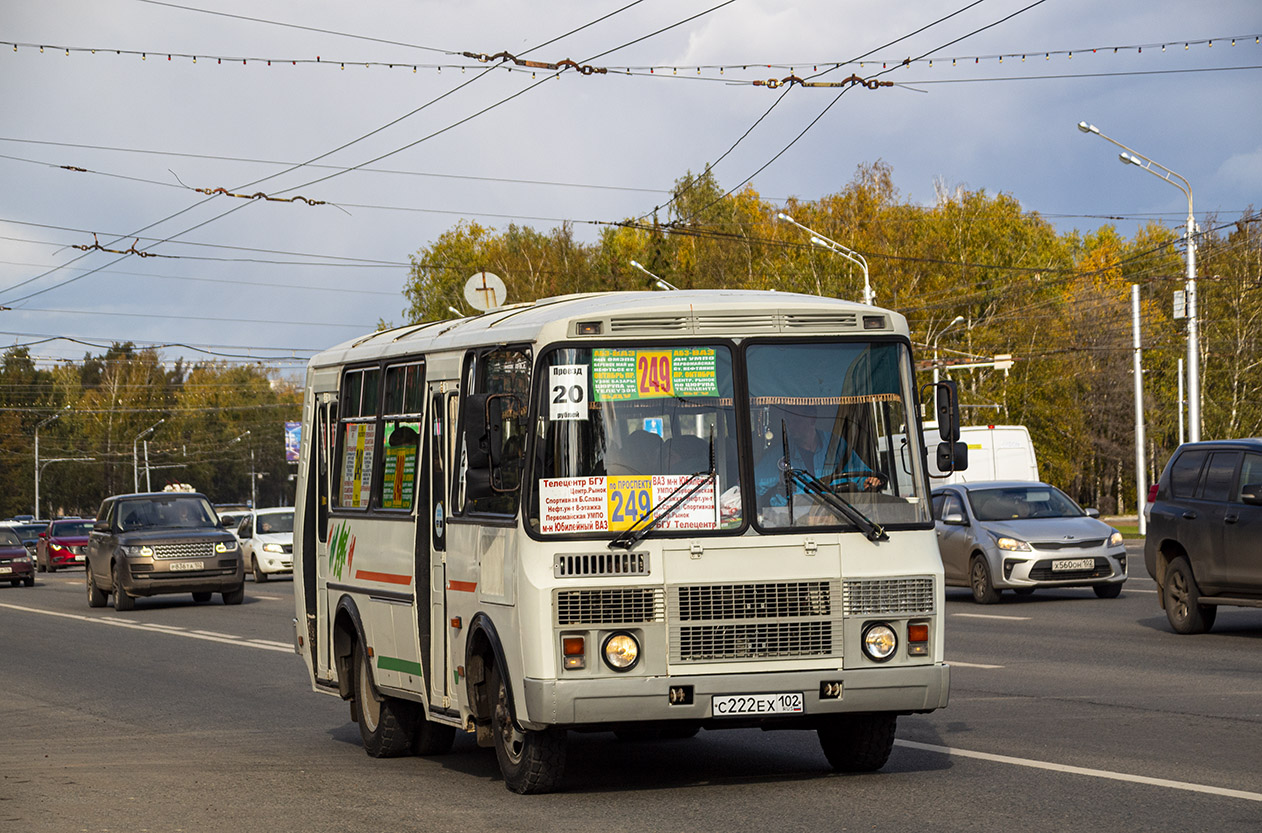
(234, 597)
(531, 762)
(859, 742)
(1024, 591)
(202, 596)
(96, 596)
(29, 581)
(1107, 591)
(122, 599)
(432, 738)
(1183, 600)
(15, 581)
(259, 575)
(385, 723)
(984, 592)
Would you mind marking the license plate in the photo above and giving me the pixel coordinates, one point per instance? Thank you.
(78, 558)
(186, 565)
(1072, 564)
(743, 705)
(6, 569)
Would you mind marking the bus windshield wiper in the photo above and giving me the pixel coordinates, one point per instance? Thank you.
(812, 485)
(649, 521)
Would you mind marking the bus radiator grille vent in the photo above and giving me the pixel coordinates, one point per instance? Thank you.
(649, 324)
(766, 620)
(821, 321)
(585, 565)
(754, 322)
(870, 597)
(752, 641)
(195, 550)
(778, 600)
(616, 605)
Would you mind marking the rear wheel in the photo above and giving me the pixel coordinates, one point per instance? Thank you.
(96, 596)
(858, 743)
(122, 600)
(984, 592)
(531, 762)
(1183, 600)
(384, 722)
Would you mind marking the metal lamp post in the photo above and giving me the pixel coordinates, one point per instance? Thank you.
(836, 248)
(38, 426)
(957, 319)
(135, 462)
(1134, 157)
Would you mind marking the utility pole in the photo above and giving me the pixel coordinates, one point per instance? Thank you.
(1141, 475)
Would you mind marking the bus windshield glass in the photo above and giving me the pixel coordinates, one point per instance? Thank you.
(830, 425)
(620, 428)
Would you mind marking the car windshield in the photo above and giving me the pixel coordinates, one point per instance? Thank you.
(166, 512)
(1013, 503)
(72, 529)
(9, 539)
(830, 435)
(273, 522)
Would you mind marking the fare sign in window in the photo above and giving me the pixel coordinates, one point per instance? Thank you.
(612, 504)
(357, 463)
(631, 373)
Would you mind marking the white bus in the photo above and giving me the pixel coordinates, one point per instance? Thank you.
(638, 512)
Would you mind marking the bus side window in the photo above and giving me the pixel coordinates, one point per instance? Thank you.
(401, 436)
(357, 438)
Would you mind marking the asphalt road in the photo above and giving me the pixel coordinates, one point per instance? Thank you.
(1067, 712)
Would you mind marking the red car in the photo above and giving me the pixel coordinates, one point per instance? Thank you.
(62, 544)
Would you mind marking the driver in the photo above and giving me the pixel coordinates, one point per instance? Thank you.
(808, 449)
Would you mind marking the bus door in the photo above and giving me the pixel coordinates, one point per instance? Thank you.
(434, 630)
(316, 558)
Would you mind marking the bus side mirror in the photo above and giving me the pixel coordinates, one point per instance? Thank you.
(952, 456)
(947, 399)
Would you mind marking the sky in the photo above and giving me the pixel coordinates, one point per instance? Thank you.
(116, 111)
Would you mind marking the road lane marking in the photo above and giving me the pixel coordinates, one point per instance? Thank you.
(206, 636)
(269, 598)
(1078, 770)
(955, 663)
(993, 616)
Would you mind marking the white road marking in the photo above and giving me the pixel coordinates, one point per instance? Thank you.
(269, 598)
(1078, 770)
(993, 616)
(957, 664)
(206, 636)
(1130, 590)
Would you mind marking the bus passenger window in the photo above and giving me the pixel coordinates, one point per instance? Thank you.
(401, 436)
(357, 439)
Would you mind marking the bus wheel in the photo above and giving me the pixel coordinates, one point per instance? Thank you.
(384, 722)
(858, 743)
(531, 762)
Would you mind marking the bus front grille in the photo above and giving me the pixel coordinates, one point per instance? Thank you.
(766, 620)
(615, 605)
(886, 596)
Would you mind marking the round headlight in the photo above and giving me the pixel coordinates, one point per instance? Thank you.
(621, 652)
(879, 641)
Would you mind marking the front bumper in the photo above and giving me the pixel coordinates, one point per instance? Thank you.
(1036, 569)
(592, 702)
(151, 577)
(10, 570)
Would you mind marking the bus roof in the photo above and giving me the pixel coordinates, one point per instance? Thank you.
(682, 313)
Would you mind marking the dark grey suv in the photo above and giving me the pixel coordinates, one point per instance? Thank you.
(1204, 541)
(161, 542)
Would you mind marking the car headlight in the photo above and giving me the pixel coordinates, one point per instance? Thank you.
(273, 548)
(1115, 540)
(139, 551)
(226, 546)
(621, 651)
(1016, 544)
(879, 641)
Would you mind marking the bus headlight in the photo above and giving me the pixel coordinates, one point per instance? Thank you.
(879, 641)
(621, 651)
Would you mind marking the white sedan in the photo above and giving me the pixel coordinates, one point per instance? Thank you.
(267, 542)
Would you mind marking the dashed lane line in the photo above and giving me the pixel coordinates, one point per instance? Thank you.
(207, 636)
(993, 616)
(955, 663)
(1078, 770)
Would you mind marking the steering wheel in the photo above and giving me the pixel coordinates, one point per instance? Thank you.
(852, 480)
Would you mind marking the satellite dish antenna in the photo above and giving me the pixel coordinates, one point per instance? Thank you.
(485, 291)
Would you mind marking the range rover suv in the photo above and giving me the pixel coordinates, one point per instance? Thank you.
(1204, 541)
(161, 542)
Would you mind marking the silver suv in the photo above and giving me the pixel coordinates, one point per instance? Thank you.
(161, 542)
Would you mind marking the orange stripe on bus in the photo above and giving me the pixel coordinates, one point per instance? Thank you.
(387, 578)
(464, 586)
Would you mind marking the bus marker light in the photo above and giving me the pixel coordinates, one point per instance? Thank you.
(680, 695)
(456, 622)
(830, 690)
(574, 649)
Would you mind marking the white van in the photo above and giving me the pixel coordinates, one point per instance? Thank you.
(995, 452)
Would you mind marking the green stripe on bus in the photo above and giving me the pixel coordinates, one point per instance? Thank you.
(396, 664)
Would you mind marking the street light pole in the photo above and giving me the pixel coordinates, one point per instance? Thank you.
(37, 427)
(135, 462)
(957, 319)
(833, 246)
(1141, 473)
(1134, 157)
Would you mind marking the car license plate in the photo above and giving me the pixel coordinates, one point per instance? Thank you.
(6, 569)
(1072, 564)
(742, 705)
(78, 558)
(186, 565)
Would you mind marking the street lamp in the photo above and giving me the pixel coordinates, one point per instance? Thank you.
(37, 427)
(1134, 157)
(252, 476)
(833, 246)
(658, 282)
(135, 462)
(956, 320)
(40, 470)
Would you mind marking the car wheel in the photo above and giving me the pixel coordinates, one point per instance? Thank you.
(259, 575)
(96, 596)
(1108, 591)
(384, 722)
(202, 596)
(1183, 600)
(29, 581)
(15, 581)
(122, 600)
(859, 742)
(234, 597)
(984, 592)
(531, 762)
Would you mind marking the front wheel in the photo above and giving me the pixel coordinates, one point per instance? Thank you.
(384, 722)
(531, 762)
(122, 600)
(234, 597)
(1183, 600)
(29, 581)
(259, 575)
(858, 743)
(984, 592)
